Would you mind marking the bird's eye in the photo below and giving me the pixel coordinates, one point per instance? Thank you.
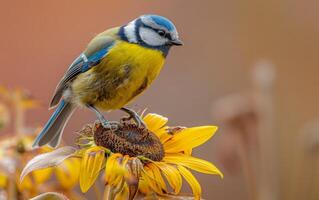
(161, 32)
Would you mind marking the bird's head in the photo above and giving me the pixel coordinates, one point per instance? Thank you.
(152, 31)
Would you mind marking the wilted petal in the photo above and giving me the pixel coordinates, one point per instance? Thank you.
(132, 190)
(91, 165)
(172, 176)
(196, 164)
(154, 121)
(46, 160)
(135, 166)
(193, 183)
(50, 196)
(189, 138)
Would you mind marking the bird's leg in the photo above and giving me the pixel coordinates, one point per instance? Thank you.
(105, 123)
(138, 120)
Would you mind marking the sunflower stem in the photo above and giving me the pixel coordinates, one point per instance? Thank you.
(97, 191)
(19, 112)
(108, 193)
(144, 159)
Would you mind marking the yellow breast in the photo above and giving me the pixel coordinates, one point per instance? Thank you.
(126, 71)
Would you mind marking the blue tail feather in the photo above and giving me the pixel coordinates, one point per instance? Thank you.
(54, 127)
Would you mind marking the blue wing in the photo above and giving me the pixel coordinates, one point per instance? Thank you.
(80, 65)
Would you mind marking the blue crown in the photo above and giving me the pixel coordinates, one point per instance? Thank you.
(162, 21)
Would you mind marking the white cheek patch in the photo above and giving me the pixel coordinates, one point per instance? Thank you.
(129, 32)
(174, 35)
(151, 37)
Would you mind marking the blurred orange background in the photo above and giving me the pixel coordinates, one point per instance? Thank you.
(223, 42)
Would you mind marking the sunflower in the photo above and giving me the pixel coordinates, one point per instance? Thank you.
(148, 161)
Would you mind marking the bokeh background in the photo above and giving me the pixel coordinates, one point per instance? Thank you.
(261, 56)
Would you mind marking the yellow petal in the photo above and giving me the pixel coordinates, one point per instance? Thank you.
(188, 151)
(91, 165)
(193, 163)
(172, 176)
(143, 186)
(127, 174)
(154, 121)
(123, 195)
(151, 180)
(157, 176)
(42, 175)
(193, 183)
(68, 173)
(163, 134)
(189, 138)
(117, 189)
(126, 158)
(114, 172)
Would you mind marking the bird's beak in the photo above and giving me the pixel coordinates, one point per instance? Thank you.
(177, 42)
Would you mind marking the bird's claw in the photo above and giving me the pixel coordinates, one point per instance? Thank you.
(136, 117)
(139, 121)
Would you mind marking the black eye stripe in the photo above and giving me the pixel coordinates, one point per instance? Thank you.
(167, 34)
(161, 32)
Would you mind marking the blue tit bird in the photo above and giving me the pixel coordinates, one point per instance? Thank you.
(117, 66)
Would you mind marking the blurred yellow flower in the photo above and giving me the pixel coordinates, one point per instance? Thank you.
(16, 150)
(133, 159)
(34, 180)
(3, 180)
(4, 116)
(18, 96)
(14, 153)
(68, 173)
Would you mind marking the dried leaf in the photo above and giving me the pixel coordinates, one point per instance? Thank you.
(170, 197)
(46, 160)
(50, 196)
